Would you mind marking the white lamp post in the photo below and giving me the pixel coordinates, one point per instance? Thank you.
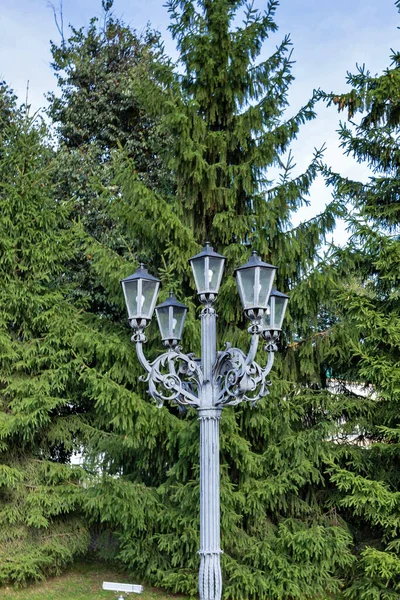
(217, 380)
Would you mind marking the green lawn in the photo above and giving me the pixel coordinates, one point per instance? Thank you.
(82, 582)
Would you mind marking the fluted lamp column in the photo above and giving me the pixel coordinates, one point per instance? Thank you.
(207, 270)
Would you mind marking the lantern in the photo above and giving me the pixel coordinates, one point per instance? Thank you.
(207, 269)
(273, 318)
(254, 280)
(171, 316)
(140, 291)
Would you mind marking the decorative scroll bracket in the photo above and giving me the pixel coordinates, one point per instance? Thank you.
(239, 377)
(178, 377)
(172, 376)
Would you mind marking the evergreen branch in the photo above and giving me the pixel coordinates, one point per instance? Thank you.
(291, 190)
(332, 208)
(263, 69)
(298, 343)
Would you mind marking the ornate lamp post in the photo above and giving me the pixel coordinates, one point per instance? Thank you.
(216, 380)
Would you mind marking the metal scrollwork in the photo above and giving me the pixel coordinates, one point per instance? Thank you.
(255, 328)
(271, 337)
(173, 377)
(138, 336)
(207, 310)
(207, 298)
(240, 378)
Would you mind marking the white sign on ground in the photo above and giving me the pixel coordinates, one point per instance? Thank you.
(128, 588)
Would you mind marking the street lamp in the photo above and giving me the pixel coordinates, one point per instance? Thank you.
(207, 267)
(171, 316)
(272, 319)
(140, 292)
(255, 279)
(216, 380)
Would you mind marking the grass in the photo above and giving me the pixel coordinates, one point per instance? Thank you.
(83, 581)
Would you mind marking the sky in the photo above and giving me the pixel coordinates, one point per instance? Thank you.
(329, 39)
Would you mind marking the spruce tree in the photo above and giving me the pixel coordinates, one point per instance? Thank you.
(41, 524)
(98, 111)
(365, 472)
(225, 114)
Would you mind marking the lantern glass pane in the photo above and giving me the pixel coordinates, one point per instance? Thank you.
(148, 298)
(163, 321)
(170, 321)
(198, 268)
(266, 319)
(178, 320)
(246, 279)
(266, 280)
(207, 273)
(215, 268)
(130, 292)
(280, 309)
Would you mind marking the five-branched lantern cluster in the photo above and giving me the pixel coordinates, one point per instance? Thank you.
(216, 379)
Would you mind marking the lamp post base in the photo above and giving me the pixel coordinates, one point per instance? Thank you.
(210, 578)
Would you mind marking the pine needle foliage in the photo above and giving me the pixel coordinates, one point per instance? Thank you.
(41, 527)
(365, 473)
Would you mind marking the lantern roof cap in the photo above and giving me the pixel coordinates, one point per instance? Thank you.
(140, 273)
(171, 301)
(274, 292)
(207, 250)
(255, 261)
